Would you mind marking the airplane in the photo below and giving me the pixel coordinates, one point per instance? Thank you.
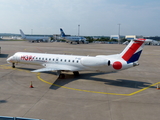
(33, 38)
(128, 58)
(72, 39)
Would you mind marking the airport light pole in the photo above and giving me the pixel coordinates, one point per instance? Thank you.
(78, 29)
(31, 31)
(119, 33)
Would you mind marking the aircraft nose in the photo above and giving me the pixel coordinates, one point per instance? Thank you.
(9, 60)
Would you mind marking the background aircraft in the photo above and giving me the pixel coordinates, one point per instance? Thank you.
(72, 39)
(102, 63)
(34, 38)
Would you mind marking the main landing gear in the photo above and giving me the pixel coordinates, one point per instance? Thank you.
(76, 73)
(62, 76)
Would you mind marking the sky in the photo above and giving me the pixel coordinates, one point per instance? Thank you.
(94, 17)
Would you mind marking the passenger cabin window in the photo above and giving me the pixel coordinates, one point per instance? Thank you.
(65, 60)
(56, 59)
(77, 61)
(68, 60)
(49, 58)
(73, 61)
(46, 58)
(53, 59)
(61, 60)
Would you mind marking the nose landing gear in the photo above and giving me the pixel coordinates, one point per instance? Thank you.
(13, 65)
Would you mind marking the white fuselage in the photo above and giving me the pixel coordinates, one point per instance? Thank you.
(74, 39)
(34, 38)
(102, 63)
(70, 62)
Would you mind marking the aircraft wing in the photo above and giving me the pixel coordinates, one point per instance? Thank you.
(55, 67)
(44, 70)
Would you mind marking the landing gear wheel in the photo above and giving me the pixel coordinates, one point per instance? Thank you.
(13, 65)
(61, 76)
(76, 73)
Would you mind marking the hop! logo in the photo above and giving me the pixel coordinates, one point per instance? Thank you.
(27, 57)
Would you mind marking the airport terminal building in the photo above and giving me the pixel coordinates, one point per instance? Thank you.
(130, 37)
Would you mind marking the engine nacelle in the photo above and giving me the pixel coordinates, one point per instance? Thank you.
(94, 62)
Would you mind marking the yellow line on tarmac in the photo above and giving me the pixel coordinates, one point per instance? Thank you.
(38, 76)
(144, 89)
(4, 64)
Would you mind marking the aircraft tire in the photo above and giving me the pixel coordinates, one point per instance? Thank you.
(61, 76)
(13, 65)
(76, 73)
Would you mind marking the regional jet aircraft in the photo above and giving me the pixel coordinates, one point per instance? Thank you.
(102, 63)
(72, 39)
(33, 38)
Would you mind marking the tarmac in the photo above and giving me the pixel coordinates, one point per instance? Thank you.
(131, 94)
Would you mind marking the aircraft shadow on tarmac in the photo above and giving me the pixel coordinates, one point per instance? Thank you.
(3, 55)
(28, 69)
(90, 76)
(31, 69)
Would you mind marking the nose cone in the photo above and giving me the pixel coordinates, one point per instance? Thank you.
(9, 60)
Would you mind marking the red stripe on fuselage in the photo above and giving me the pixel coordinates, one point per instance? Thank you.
(132, 50)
